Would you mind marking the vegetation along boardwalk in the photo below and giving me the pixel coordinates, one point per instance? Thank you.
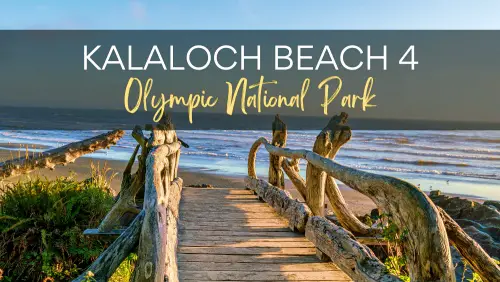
(229, 235)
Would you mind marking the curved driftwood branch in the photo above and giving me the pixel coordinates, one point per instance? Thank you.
(480, 261)
(131, 185)
(61, 155)
(106, 264)
(276, 176)
(128, 169)
(252, 156)
(354, 258)
(291, 168)
(427, 249)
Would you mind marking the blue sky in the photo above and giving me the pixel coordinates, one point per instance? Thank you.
(249, 14)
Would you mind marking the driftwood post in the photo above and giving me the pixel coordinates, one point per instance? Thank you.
(161, 165)
(327, 144)
(153, 231)
(340, 134)
(276, 176)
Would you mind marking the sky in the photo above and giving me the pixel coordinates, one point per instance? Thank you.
(249, 14)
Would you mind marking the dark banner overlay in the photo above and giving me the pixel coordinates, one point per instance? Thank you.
(240, 79)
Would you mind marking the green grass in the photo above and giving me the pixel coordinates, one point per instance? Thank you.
(42, 223)
(125, 270)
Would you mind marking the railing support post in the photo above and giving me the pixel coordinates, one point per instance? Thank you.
(276, 176)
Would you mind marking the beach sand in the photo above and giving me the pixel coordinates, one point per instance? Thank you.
(357, 202)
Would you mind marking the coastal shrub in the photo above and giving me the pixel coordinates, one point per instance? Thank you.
(42, 223)
(395, 261)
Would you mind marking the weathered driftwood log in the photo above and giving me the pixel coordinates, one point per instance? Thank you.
(327, 144)
(127, 172)
(109, 260)
(427, 247)
(291, 168)
(59, 156)
(294, 211)
(131, 185)
(276, 176)
(352, 257)
(174, 197)
(331, 138)
(161, 166)
(480, 261)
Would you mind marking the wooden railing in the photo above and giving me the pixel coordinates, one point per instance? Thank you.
(153, 231)
(429, 228)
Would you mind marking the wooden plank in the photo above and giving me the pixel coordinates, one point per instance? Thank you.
(208, 199)
(252, 233)
(263, 223)
(228, 197)
(215, 189)
(235, 228)
(216, 214)
(228, 206)
(247, 244)
(197, 237)
(247, 251)
(241, 222)
(263, 276)
(279, 259)
(230, 210)
(224, 216)
(225, 266)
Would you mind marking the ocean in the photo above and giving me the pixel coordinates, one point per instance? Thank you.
(454, 161)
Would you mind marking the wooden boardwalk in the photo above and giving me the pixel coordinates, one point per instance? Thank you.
(229, 235)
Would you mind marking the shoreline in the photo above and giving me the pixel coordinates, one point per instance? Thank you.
(358, 203)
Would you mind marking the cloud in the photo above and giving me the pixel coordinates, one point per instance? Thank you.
(138, 10)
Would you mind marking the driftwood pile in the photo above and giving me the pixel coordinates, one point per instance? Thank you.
(429, 229)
